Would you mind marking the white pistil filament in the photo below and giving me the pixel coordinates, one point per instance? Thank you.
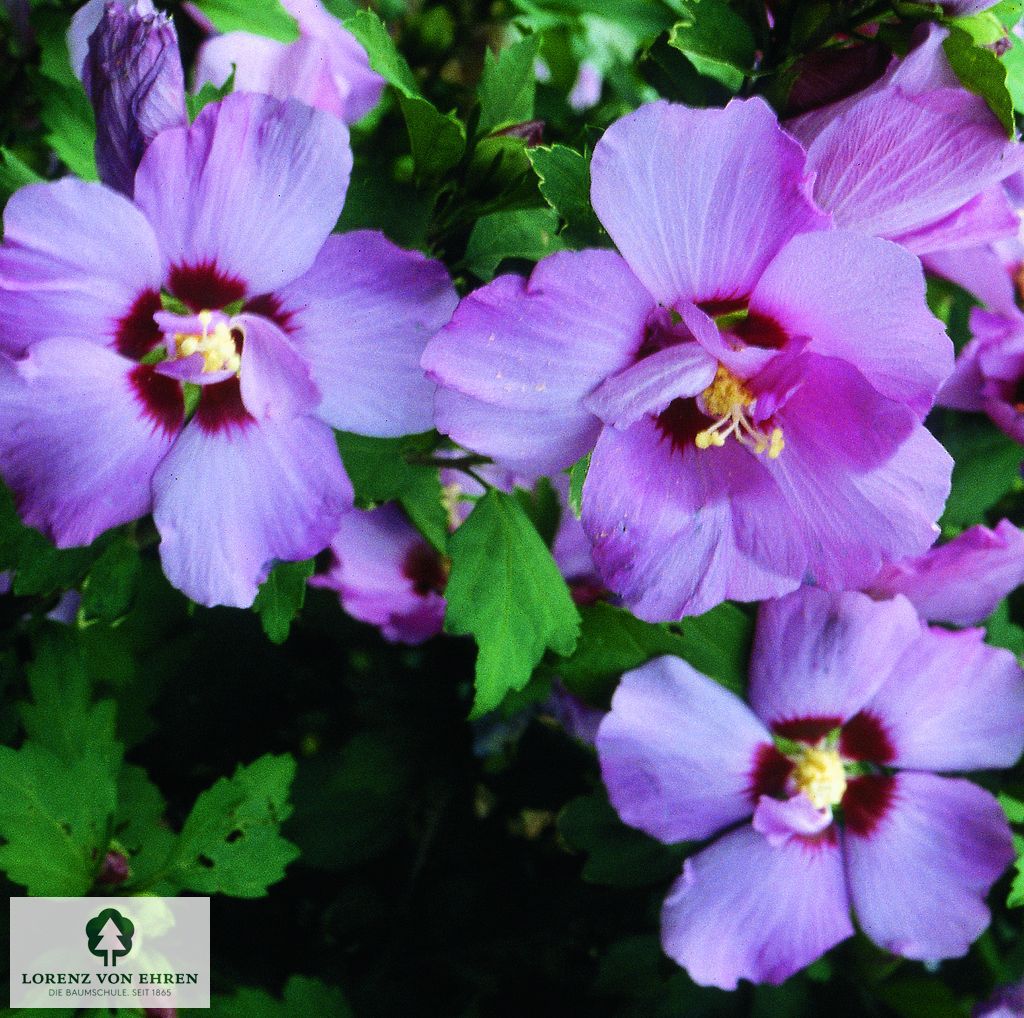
(217, 345)
(820, 774)
(728, 399)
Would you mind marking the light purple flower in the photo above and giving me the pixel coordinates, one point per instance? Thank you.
(325, 67)
(586, 92)
(989, 372)
(915, 157)
(290, 332)
(1006, 1002)
(133, 76)
(386, 574)
(960, 582)
(845, 813)
(754, 381)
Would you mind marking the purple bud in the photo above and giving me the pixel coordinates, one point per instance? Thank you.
(531, 131)
(134, 77)
(115, 869)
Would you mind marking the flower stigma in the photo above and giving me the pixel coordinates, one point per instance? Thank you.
(217, 346)
(728, 399)
(820, 774)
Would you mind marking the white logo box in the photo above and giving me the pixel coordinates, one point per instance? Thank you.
(143, 952)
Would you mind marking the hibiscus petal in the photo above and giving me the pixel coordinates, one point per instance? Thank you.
(951, 703)
(275, 377)
(677, 530)
(362, 316)
(979, 271)
(745, 909)
(81, 431)
(678, 752)
(233, 500)
(892, 339)
(652, 383)
(75, 259)
(519, 356)
(822, 656)
(960, 582)
(894, 163)
(985, 219)
(919, 874)
(253, 187)
(665, 188)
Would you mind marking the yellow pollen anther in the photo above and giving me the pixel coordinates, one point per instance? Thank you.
(218, 347)
(728, 399)
(820, 775)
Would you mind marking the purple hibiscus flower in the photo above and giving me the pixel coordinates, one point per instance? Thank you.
(962, 581)
(914, 157)
(989, 373)
(221, 285)
(823, 796)
(754, 381)
(325, 67)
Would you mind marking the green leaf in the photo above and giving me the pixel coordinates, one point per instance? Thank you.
(62, 717)
(577, 478)
(231, 842)
(437, 140)
(1009, 12)
(138, 828)
(617, 855)
(385, 59)
(716, 40)
(53, 818)
(980, 71)
(381, 471)
(209, 93)
(613, 641)
(508, 85)
(13, 174)
(506, 591)
(109, 589)
(70, 126)
(267, 18)
(1015, 899)
(565, 184)
(1002, 631)
(520, 233)
(987, 466)
(543, 506)
(281, 597)
(303, 997)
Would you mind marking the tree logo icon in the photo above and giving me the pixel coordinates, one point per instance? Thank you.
(110, 935)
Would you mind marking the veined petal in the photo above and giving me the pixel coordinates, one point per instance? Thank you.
(275, 378)
(664, 186)
(232, 500)
(678, 752)
(253, 187)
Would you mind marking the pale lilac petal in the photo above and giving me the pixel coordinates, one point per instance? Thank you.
(892, 339)
(979, 271)
(362, 316)
(75, 258)
(81, 431)
(964, 389)
(252, 57)
(518, 357)
(745, 909)
(863, 481)
(83, 24)
(952, 703)
(985, 219)
(781, 820)
(823, 656)
(919, 874)
(233, 499)
(678, 752)
(960, 582)
(253, 187)
(275, 377)
(648, 386)
(665, 188)
(386, 574)
(667, 522)
(893, 163)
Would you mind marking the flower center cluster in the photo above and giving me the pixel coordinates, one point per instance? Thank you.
(820, 774)
(217, 345)
(728, 399)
